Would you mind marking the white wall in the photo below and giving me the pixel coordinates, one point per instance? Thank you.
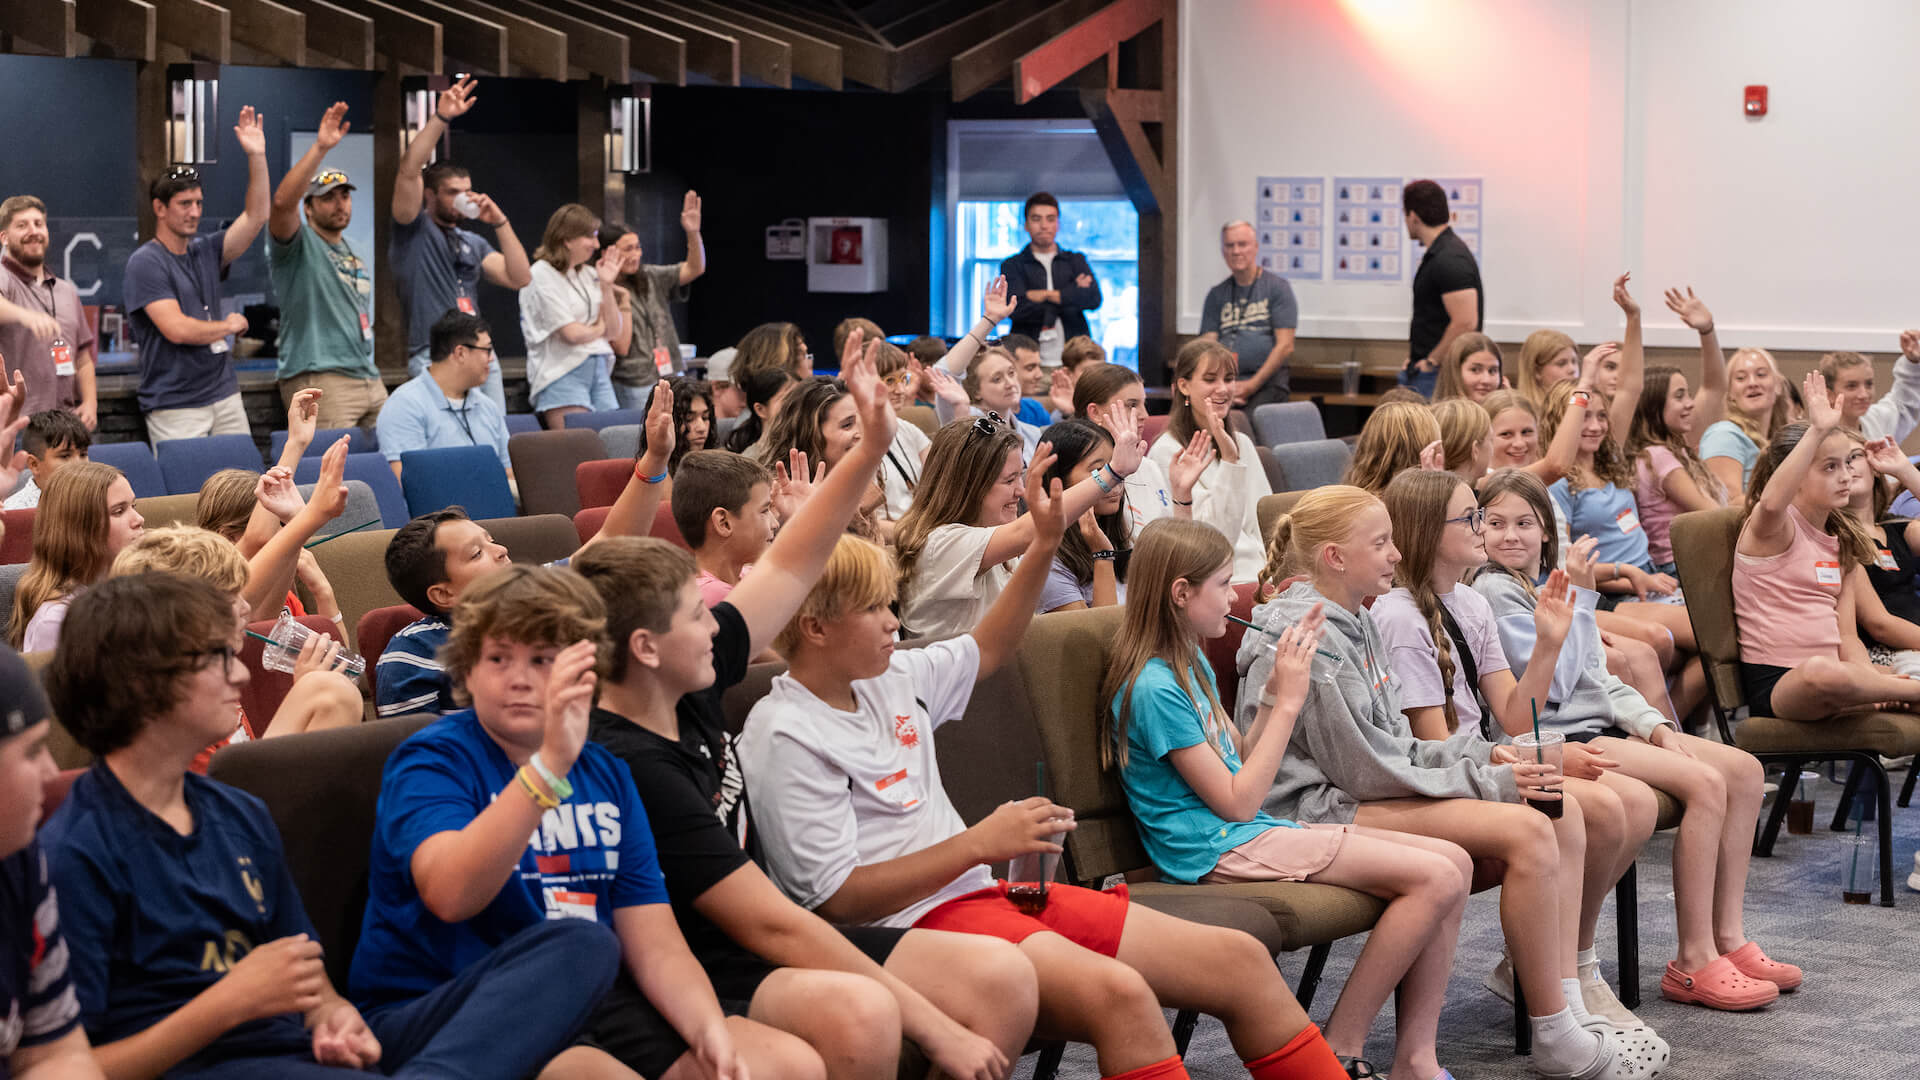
(1610, 137)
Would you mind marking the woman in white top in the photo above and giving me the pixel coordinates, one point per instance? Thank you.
(980, 376)
(958, 543)
(1103, 393)
(1228, 491)
(573, 322)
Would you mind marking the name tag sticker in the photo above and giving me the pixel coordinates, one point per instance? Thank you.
(465, 304)
(1827, 573)
(218, 347)
(1885, 560)
(662, 360)
(896, 790)
(1627, 520)
(62, 354)
(366, 327)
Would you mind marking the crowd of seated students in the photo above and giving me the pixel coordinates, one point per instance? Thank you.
(572, 849)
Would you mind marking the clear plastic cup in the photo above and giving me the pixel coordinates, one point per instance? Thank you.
(1551, 749)
(1326, 665)
(1859, 867)
(288, 636)
(1029, 875)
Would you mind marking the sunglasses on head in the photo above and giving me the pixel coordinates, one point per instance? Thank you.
(331, 176)
(990, 424)
(183, 172)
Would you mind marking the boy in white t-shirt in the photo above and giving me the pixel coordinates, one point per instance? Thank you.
(839, 758)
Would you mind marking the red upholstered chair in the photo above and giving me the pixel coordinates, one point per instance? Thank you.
(265, 690)
(664, 527)
(587, 522)
(1222, 650)
(1151, 427)
(376, 628)
(54, 791)
(600, 482)
(17, 545)
(590, 521)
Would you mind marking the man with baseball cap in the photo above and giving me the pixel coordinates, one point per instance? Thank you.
(324, 287)
(39, 1015)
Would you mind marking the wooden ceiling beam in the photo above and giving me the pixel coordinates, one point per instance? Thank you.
(1048, 65)
(50, 24)
(124, 27)
(764, 57)
(922, 57)
(531, 45)
(659, 54)
(591, 46)
(479, 41)
(714, 55)
(334, 31)
(271, 28)
(861, 59)
(813, 58)
(404, 37)
(991, 61)
(203, 29)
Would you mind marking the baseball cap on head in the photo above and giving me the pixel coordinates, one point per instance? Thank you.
(22, 702)
(328, 181)
(720, 365)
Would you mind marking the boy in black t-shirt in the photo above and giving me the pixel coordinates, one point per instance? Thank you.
(967, 1001)
(39, 1015)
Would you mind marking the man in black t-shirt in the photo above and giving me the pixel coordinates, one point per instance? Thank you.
(1447, 298)
(969, 1008)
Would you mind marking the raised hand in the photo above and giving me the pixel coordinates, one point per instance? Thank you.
(948, 389)
(1188, 466)
(1044, 504)
(860, 373)
(1590, 363)
(13, 401)
(610, 266)
(996, 304)
(1823, 412)
(1089, 525)
(690, 212)
(1622, 297)
(1580, 560)
(1885, 458)
(251, 131)
(333, 126)
(1910, 344)
(1691, 309)
(570, 683)
(303, 416)
(455, 100)
(276, 493)
(1128, 446)
(1060, 392)
(1433, 457)
(1552, 611)
(330, 490)
(792, 485)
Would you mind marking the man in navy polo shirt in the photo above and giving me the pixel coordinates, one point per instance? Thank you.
(172, 292)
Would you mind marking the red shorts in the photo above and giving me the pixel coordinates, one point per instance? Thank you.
(1089, 918)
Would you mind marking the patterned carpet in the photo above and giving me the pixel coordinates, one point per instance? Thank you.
(1856, 1017)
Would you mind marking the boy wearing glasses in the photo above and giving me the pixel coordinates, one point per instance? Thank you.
(324, 287)
(188, 946)
(445, 405)
(172, 292)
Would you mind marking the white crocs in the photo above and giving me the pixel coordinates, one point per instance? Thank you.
(1639, 1053)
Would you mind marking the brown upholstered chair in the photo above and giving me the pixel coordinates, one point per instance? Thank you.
(1270, 507)
(321, 788)
(922, 417)
(1703, 543)
(544, 464)
(158, 510)
(356, 565)
(537, 539)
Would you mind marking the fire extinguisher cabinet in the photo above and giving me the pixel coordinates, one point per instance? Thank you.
(847, 255)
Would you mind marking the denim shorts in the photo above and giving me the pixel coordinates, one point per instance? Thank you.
(589, 385)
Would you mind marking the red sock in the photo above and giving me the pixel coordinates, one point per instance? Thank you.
(1166, 1069)
(1306, 1057)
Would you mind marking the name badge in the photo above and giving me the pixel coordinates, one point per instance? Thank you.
(1885, 560)
(62, 354)
(662, 361)
(465, 304)
(366, 327)
(894, 790)
(1827, 573)
(1627, 520)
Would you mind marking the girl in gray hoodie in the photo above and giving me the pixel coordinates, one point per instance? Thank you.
(1354, 758)
(1718, 785)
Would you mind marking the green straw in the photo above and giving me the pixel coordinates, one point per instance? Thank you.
(261, 637)
(342, 532)
(1039, 778)
(1539, 758)
(1275, 635)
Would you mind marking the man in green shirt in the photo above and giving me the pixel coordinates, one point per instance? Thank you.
(325, 289)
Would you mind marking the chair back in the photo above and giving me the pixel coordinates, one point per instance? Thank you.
(16, 543)
(373, 470)
(536, 540)
(186, 463)
(360, 440)
(1222, 652)
(922, 417)
(1703, 543)
(266, 689)
(1287, 422)
(135, 462)
(599, 483)
(665, 528)
(521, 423)
(544, 463)
(158, 510)
(374, 630)
(1276, 480)
(595, 421)
(1270, 507)
(1238, 424)
(356, 566)
(10, 575)
(466, 476)
(54, 790)
(621, 440)
(1061, 662)
(361, 508)
(1152, 426)
(1304, 466)
(322, 788)
(588, 522)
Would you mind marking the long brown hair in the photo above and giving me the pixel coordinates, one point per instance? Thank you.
(69, 540)
(1650, 428)
(1196, 358)
(1450, 384)
(1856, 544)
(1525, 485)
(1073, 442)
(1417, 503)
(1098, 384)
(1610, 465)
(1169, 550)
(1540, 347)
(570, 222)
(962, 464)
(1391, 440)
(1463, 429)
(1323, 516)
(801, 426)
(226, 502)
(769, 345)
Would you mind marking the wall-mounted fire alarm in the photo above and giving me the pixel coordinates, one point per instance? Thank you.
(1756, 101)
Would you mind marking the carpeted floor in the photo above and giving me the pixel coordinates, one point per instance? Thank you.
(1857, 1017)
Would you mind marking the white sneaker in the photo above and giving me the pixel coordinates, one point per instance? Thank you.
(1601, 1002)
(1895, 764)
(1499, 981)
(1913, 879)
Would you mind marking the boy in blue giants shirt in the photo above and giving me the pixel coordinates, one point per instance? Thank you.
(455, 873)
(189, 948)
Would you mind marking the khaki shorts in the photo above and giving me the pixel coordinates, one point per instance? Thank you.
(345, 400)
(224, 417)
(1279, 854)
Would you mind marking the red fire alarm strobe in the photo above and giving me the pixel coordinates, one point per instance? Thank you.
(1756, 100)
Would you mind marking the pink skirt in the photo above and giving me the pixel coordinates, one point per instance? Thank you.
(1280, 854)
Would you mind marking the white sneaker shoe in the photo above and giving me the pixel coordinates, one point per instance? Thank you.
(1913, 879)
(1499, 981)
(1601, 1002)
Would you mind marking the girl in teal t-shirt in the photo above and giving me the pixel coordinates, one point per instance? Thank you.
(1198, 804)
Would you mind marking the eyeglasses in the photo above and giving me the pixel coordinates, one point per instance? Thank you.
(479, 347)
(1474, 519)
(227, 654)
(990, 424)
(331, 176)
(897, 379)
(183, 172)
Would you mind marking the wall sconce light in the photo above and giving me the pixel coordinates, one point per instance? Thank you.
(420, 95)
(630, 129)
(193, 113)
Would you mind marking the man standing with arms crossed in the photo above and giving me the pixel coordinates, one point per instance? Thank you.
(1254, 314)
(324, 288)
(1052, 288)
(172, 292)
(1447, 299)
(436, 263)
(44, 334)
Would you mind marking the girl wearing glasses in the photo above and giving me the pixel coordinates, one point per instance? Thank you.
(1353, 758)
(1718, 785)
(1457, 688)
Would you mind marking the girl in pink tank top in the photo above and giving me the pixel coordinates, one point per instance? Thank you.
(1788, 573)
